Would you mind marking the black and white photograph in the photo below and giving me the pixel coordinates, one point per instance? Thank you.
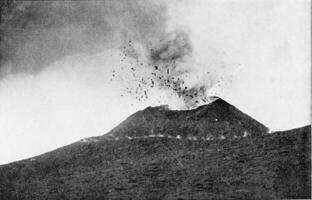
(155, 99)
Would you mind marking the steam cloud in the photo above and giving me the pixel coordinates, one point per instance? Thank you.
(35, 34)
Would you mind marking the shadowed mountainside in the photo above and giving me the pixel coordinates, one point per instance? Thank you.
(255, 166)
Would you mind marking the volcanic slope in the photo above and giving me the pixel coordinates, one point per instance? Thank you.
(125, 164)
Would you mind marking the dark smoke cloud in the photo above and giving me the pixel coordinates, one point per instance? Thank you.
(36, 33)
(173, 48)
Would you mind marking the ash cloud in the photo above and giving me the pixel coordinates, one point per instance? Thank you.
(173, 48)
(34, 34)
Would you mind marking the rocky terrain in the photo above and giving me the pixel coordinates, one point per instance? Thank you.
(212, 152)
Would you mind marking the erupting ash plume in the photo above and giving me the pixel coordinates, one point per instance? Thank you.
(170, 67)
(36, 34)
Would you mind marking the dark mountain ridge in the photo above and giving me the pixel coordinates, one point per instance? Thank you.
(126, 164)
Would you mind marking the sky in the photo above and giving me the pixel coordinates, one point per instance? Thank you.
(56, 84)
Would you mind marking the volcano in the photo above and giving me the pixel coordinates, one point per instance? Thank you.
(217, 120)
(212, 152)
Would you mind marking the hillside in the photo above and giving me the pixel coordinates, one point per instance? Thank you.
(121, 165)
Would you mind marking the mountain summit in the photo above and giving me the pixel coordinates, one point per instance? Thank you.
(218, 119)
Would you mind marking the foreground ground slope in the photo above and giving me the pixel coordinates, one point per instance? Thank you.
(272, 166)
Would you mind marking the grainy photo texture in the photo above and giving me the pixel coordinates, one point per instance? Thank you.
(155, 99)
